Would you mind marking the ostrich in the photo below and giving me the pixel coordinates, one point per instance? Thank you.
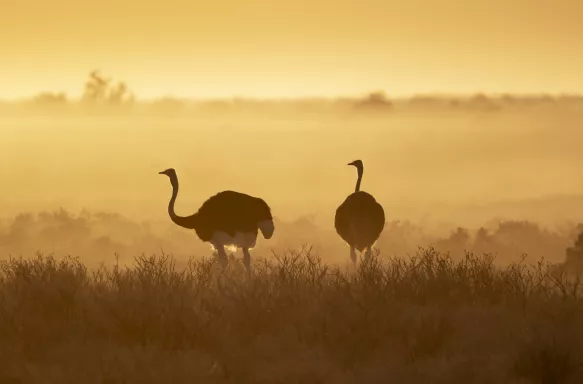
(359, 219)
(227, 218)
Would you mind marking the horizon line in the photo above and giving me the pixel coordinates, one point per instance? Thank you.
(356, 95)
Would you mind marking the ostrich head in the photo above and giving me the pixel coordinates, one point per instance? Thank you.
(171, 173)
(357, 164)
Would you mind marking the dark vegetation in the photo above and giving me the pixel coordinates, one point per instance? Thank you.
(425, 318)
(97, 236)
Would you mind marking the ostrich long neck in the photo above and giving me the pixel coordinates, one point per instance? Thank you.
(182, 221)
(360, 172)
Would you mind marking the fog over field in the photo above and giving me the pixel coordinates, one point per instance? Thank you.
(85, 180)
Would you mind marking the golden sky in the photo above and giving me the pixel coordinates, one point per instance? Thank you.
(292, 47)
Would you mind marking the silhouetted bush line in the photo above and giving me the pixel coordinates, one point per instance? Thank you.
(97, 235)
(293, 319)
(101, 95)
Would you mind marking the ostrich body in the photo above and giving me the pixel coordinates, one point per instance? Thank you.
(227, 218)
(359, 219)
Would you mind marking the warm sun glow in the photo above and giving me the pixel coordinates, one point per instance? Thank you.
(291, 48)
(228, 248)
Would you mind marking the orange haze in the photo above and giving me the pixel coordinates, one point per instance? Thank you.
(293, 47)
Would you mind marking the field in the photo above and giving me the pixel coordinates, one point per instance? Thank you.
(471, 281)
(293, 320)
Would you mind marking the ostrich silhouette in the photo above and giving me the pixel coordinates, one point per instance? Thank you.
(359, 219)
(228, 218)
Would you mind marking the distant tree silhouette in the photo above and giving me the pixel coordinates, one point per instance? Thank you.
(118, 94)
(483, 240)
(375, 100)
(101, 90)
(482, 102)
(95, 87)
(575, 253)
(456, 243)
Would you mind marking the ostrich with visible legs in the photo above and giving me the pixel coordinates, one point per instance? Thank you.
(359, 219)
(226, 219)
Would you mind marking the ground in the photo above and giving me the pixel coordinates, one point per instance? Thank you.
(425, 318)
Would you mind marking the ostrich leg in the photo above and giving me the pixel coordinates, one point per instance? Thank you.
(246, 259)
(353, 255)
(368, 253)
(223, 259)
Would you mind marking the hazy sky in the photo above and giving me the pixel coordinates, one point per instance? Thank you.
(293, 47)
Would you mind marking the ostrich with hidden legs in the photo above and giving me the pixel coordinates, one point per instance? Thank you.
(226, 219)
(359, 219)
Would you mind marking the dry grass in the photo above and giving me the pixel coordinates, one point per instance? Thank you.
(293, 320)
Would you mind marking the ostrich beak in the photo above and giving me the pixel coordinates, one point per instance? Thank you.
(350, 163)
(162, 173)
